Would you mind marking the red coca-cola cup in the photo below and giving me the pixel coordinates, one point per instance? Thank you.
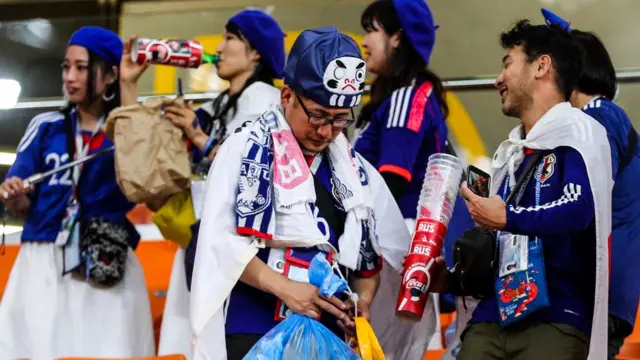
(426, 246)
(435, 209)
(181, 53)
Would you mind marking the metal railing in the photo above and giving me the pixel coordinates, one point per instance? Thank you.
(468, 84)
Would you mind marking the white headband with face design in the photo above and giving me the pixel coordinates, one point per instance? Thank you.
(344, 77)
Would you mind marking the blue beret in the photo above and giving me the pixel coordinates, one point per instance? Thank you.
(418, 24)
(104, 43)
(326, 66)
(265, 35)
(553, 19)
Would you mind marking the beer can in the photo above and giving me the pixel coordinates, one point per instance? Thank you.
(181, 53)
(426, 246)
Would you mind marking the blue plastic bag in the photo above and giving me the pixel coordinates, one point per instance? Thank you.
(300, 337)
(321, 275)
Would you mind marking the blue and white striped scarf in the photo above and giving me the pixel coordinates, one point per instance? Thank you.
(276, 187)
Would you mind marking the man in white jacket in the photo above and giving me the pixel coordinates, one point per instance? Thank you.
(286, 187)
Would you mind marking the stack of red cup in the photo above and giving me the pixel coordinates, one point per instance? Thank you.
(435, 208)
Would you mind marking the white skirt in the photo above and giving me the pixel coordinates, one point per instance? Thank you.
(44, 315)
(176, 334)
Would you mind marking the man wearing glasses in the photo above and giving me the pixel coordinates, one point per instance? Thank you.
(288, 186)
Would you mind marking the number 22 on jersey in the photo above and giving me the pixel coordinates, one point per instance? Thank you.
(55, 160)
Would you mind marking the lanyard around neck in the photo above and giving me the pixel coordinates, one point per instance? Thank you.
(82, 150)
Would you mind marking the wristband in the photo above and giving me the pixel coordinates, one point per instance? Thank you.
(208, 146)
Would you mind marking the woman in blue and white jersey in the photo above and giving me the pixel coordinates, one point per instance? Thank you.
(404, 123)
(50, 309)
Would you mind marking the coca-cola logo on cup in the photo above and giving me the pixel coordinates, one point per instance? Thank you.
(416, 288)
(158, 51)
(412, 282)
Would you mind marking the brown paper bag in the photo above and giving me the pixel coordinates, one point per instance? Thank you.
(151, 158)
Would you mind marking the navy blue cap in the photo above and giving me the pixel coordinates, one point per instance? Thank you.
(326, 66)
(553, 19)
(104, 43)
(418, 24)
(265, 35)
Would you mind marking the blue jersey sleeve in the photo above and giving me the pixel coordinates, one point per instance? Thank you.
(403, 123)
(28, 154)
(616, 133)
(570, 212)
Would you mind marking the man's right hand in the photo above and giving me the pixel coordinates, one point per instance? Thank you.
(305, 299)
(302, 298)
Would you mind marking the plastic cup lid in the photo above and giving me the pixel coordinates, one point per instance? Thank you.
(444, 156)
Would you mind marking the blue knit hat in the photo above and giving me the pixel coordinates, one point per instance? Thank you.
(326, 66)
(104, 43)
(418, 24)
(553, 19)
(265, 35)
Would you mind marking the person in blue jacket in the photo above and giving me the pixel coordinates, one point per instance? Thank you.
(594, 94)
(49, 308)
(324, 79)
(404, 122)
(553, 213)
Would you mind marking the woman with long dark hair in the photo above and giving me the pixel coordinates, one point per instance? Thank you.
(404, 123)
(251, 56)
(76, 288)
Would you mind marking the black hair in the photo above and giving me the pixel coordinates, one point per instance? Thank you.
(404, 66)
(552, 40)
(96, 63)
(598, 75)
(262, 73)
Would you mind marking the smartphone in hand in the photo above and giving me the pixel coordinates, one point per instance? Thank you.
(478, 181)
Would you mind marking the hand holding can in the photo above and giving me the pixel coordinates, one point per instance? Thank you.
(181, 53)
(130, 70)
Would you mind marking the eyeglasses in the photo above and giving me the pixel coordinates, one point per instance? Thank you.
(316, 120)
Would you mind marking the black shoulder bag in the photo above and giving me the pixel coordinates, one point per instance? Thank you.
(103, 244)
(475, 254)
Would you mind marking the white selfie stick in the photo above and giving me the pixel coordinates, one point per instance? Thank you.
(40, 177)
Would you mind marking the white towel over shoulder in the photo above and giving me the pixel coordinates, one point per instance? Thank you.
(222, 254)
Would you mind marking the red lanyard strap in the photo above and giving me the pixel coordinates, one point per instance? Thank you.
(75, 147)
